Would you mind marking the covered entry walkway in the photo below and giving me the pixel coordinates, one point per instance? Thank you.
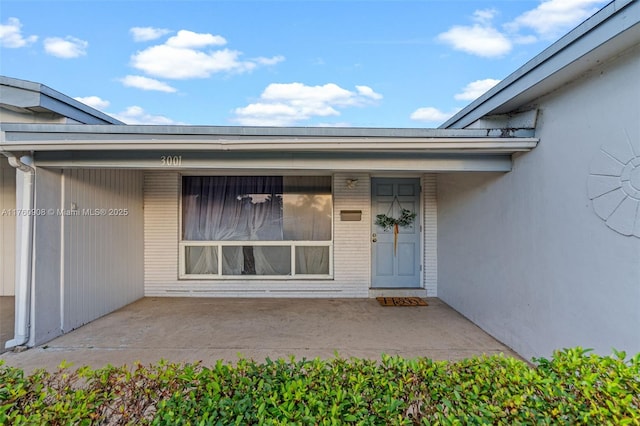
(207, 329)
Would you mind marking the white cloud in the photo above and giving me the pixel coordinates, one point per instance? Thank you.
(552, 18)
(269, 61)
(187, 39)
(484, 16)
(478, 40)
(432, 115)
(94, 102)
(481, 38)
(177, 63)
(137, 115)
(549, 20)
(475, 89)
(146, 83)
(147, 33)
(470, 92)
(368, 92)
(290, 103)
(11, 35)
(275, 114)
(68, 47)
(183, 56)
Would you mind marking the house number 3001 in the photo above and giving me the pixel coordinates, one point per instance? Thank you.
(171, 160)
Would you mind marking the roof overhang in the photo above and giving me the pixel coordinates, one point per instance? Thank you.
(318, 148)
(608, 33)
(21, 95)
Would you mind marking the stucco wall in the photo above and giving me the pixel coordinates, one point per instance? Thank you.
(7, 227)
(523, 254)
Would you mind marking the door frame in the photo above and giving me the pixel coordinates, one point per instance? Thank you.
(421, 219)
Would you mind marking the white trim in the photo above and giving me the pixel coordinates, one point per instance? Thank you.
(421, 203)
(220, 244)
(24, 313)
(89, 142)
(182, 244)
(62, 248)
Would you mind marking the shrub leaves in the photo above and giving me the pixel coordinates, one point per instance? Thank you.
(573, 387)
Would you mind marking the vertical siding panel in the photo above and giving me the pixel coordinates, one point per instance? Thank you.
(67, 231)
(430, 226)
(102, 198)
(46, 301)
(7, 228)
(136, 231)
(103, 253)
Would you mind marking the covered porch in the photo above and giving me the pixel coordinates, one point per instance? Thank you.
(91, 262)
(208, 329)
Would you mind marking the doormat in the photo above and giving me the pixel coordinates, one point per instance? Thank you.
(401, 301)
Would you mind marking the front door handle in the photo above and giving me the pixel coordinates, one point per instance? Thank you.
(374, 238)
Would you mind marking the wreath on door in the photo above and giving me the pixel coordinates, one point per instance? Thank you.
(386, 221)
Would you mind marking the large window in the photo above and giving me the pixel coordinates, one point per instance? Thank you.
(244, 226)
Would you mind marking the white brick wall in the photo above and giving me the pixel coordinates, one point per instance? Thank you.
(352, 258)
(351, 251)
(161, 191)
(430, 234)
(351, 248)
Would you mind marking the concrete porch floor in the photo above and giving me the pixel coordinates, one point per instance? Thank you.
(208, 329)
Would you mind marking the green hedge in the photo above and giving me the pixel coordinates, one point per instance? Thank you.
(573, 387)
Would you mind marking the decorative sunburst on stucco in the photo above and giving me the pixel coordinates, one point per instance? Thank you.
(614, 186)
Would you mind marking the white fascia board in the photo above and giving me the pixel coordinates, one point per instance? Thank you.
(30, 137)
(363, 145)
(617, 24)
(21, 131)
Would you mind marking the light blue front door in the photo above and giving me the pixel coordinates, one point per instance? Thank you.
(395, 258)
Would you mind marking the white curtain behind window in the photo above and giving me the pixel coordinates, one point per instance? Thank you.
(307, 217)
(232, 208)
(256, 208)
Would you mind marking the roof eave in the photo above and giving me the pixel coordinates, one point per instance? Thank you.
(42, 97)
(34, 137)
(442, 145)
(615, 19)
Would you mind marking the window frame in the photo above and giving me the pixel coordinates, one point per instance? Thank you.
(293, 244)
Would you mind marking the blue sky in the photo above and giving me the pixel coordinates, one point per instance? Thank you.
(279, 63)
